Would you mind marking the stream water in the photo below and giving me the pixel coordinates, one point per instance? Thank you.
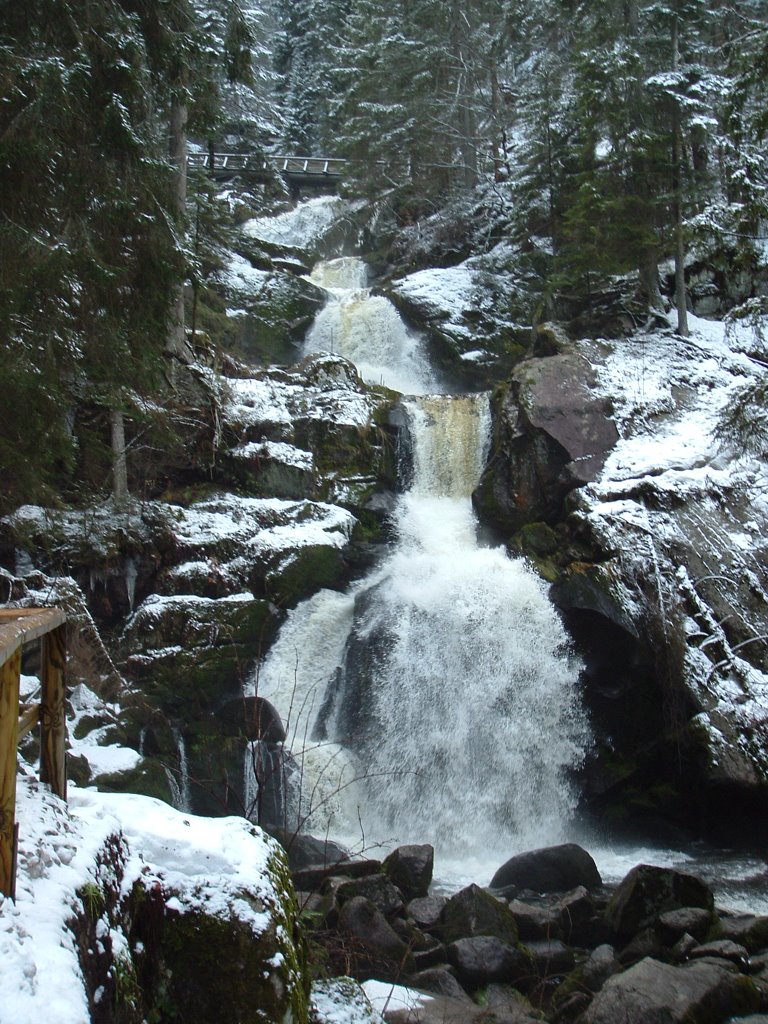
(437, 700)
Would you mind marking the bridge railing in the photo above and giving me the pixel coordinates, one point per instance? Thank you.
(19, 627)
(291, 166)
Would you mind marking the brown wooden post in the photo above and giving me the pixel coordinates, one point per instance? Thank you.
(10, 677)
(53, 723)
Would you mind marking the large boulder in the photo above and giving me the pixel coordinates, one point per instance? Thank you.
(652, 992)
(410, 868)
(374, 948)
(750, 930)
(647, 892)
(485, 958)
(551, 869)
(376, 888)
(551, 434)
(473, 911)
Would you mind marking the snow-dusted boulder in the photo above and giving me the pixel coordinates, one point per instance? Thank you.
(476, 313)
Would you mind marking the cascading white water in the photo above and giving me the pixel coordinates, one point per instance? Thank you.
(436, 702)
(294, 677)
(367, 330)
(474, 719)
(181, 793)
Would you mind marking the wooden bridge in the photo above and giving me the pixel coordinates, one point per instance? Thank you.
(18, 627)
(319, 173)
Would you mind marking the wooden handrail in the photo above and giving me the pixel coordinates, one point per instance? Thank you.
(20, 626)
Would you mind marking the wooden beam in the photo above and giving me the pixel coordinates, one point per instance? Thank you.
(27, 721)
(10, 678)
(21, 625)
(53, 722)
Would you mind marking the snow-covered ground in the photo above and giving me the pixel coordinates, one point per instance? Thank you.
(207, 863)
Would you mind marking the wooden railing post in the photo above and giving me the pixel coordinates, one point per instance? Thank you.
(53, 723)
(10, 678)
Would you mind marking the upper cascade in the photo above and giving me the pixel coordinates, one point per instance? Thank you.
(367, 330)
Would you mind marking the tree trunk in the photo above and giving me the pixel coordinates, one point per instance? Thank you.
(677, 200)
(119, 462)
(176, 342)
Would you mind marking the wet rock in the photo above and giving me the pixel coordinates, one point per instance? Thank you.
(576, 911)
(551, 869)
(681, 950)
(473, 912)
(427, 911)
(373, 945)
(536, 921)
(313, 877)
(749, 930)
(410, 868)
(696, 921)
(647, 891)
(551, 433)
(378, 889)
(723, 949)
(550, 957)
(599, 966)
(305, 851)
(645, 944)
(652, 992)
(440, 980)
(485, 958)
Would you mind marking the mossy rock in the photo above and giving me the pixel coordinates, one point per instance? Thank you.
(180, 682)
(220, 956)
(537, 539)
(472, 912)
(188, 622)
(149, 778)
(305, 571)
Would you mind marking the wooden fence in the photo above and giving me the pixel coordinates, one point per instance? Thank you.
(20, 626)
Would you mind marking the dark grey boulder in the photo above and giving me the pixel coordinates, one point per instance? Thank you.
(306, 851)
(652, 992)
(599, 966)
(410, 868)
(551, 869)
(535, 921)
(473, 911)
(646, 943)
(374, 948)
(313, 877)
(576, 910)
(376, 888)
(441, 980)
(724, 949)
(681, 950)
(749, 930)
(695, 921)
(647, 892)
(426, 911)
(507, 1003)
(550, 957)
(485, 958)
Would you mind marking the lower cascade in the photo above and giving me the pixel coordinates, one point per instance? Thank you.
(437, 701)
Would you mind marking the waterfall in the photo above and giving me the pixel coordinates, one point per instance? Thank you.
(264, 775)
(366, 329)
(251, 781)
(437, 700)
(179, 782)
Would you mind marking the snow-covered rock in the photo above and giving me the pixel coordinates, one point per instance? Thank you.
(657, 566)
(121, 901)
